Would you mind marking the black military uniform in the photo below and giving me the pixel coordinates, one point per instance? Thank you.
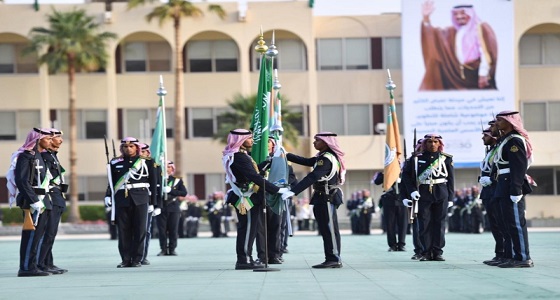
(246, 172)
(436, 188)
(30, 178)
(135, 182)
(396, 217)
(168, 220)
(327, 197)
(214, 208)
(512, 163)
(57, 188)
(194, 213)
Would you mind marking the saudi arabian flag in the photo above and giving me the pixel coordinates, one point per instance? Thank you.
(259, 123)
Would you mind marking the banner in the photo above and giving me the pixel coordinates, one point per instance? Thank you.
(458, 70)
(259, 123)
(393, 149)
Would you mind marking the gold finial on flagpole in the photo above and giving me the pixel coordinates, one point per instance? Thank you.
(261, 46)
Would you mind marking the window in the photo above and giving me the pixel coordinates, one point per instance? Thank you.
(296, 118)
(12, 61)
(544, 177)
(343, 54)
(392, 53)
(539, 49)
(205, 121)
(140, 123)
(359, 53)
(91, 124)
(351, 119)
(291, 56)
(212, 56)
(15, 125)
(541, 116)
(91, 188)
(147, 57)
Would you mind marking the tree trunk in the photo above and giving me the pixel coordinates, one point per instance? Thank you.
(179, 102)
(74, 214)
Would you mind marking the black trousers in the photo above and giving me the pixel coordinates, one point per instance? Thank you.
(515, 227)
(272, 238)
(327, 222)
(418, 247)
(494, 214)
(192, 227)
(246, 234)
(47, 242)
(396, 218)
(431, 217)
(149, 225)
(132, 222)
(168, 225)
(30, 240)
(215, 220)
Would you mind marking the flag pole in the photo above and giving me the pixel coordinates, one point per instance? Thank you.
(161, 92)
(262, 49)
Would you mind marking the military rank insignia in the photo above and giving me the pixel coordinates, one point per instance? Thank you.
(320, 162)
(513, 149)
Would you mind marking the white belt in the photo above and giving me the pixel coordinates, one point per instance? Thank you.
(134, 186)
(503, 171)
(434, 181)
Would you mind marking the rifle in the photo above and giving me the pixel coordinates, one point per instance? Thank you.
(414, 206)
(110, 179)
(114, 152)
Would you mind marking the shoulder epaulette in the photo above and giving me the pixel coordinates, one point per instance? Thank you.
(116, 160)
(447, 154)
(145, 157)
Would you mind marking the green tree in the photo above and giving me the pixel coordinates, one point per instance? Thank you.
(71, 44)
(175, 10)
(241, 111)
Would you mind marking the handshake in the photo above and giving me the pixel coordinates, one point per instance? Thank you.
(286, 193)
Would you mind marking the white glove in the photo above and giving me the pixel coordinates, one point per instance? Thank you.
(150, 208)
(415, 195)
(108, 201)
(166, 189)
(485, 181)
(516, 199)
(156, 212)
(283, 190)
(37, 206)
(399, 180)
(407, 203)
(287, 195)
(449, 204)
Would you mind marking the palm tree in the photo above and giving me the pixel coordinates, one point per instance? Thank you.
(73, 44)
(175, 10)
(241, 113)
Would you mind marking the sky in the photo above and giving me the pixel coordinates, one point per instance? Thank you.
(321, 8)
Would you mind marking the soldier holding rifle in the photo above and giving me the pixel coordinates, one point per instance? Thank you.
(431, 182)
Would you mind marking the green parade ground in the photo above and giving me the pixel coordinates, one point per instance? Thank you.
(204, 269)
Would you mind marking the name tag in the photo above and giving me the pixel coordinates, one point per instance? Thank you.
(422, 161)
(119, 167)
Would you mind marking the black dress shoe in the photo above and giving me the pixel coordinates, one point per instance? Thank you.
(518, 264)
(32, 273)
(135, 264)
(145, 262)
(438, 258)
(124, 264)
(328, 265)
(247, 266)
(416, 256)
(58, 269)
(402, 248)
(49, 270)
(162, 253)
(274, 261)
(392, 249)
(425, 258)
(172, 253)
(493, 262)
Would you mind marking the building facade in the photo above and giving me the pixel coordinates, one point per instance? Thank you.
(332, 70)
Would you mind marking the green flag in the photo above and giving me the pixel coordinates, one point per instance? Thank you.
(158, 147)
(259, 123)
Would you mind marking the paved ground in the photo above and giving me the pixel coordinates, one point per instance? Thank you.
(204, 269)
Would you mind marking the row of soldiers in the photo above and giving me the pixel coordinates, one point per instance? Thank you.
(360, 209)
